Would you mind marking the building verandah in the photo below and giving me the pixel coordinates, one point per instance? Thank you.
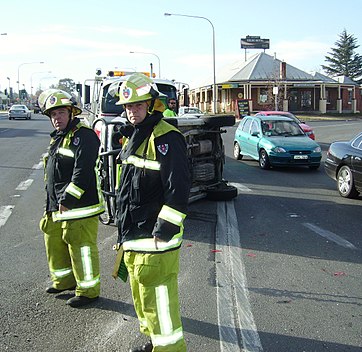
(274, 85)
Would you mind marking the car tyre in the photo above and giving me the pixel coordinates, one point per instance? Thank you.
(264, 162)
(221, 192)
(345, 183)
(237, 155)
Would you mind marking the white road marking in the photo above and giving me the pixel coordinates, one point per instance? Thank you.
(5, 212)
(330, 236)
(38, 166)
(240, 187)
(234, 310)
(23, 186)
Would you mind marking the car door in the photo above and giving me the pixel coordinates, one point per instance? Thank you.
(242, 134)
(253, 139)
(356, 160)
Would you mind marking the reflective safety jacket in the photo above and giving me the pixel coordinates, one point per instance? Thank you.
(154, 190)
(71, 174)
(169, 113)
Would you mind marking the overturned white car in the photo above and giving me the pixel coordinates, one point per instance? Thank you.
(203, 135)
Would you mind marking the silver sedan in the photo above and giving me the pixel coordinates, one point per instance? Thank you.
(19, 111)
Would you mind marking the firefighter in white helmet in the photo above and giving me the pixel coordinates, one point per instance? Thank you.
(73, 202)
(151, 206)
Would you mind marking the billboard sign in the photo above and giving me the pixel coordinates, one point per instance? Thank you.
(254, 42)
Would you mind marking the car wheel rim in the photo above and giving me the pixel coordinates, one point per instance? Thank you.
(236, 151)
(262, 159)
(344, 181)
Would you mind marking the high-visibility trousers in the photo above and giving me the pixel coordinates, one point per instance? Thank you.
(72, 252)
(153, 280)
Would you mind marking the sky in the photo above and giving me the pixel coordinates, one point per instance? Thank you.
(73, 38)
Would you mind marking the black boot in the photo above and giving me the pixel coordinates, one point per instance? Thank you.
(80, 301)
(52, 289)
(147, 347)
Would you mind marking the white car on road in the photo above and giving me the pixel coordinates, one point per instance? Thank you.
(185, 111)
(19, 111)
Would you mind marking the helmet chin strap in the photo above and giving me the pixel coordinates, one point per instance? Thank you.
(150, 108)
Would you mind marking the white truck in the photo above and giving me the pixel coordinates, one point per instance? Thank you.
(202, 134)
(99, 102)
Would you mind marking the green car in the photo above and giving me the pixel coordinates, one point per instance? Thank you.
(275, 141)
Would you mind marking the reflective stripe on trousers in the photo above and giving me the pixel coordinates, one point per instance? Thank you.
(72, 253)
(153, 279)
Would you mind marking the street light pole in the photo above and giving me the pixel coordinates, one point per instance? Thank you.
(25, 63)
(44, 78)
(159, 62)
(9, 95)
(31, 80)
(214, 90)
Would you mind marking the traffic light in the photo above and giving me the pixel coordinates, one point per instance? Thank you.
(23, 94)
(79, 88)
(87, 94)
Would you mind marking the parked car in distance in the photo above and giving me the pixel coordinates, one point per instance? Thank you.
(306, 128)
(185, 111)
(275, 141)
(19, 111)
(344, 164)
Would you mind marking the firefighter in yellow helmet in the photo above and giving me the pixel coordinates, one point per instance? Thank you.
(151, 206)
(73, 201)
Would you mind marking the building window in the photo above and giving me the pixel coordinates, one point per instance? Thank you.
(263, 96)
(306, 99)
(350, 95)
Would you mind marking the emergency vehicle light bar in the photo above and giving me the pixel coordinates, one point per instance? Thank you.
(125, 73)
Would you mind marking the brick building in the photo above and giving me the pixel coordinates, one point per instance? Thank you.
(269, 84)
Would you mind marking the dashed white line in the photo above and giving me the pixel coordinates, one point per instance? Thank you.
(5, 212)
(24, 185)
(330, 236)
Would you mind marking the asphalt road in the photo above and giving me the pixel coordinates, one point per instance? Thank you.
(302, 246)
(278, 269)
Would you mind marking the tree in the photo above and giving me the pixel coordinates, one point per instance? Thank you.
(343, 61)
(66, 84)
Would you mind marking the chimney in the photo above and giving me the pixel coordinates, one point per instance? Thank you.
(283, 70)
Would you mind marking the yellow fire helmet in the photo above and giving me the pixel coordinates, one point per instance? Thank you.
(136, 88)
(56, 98)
